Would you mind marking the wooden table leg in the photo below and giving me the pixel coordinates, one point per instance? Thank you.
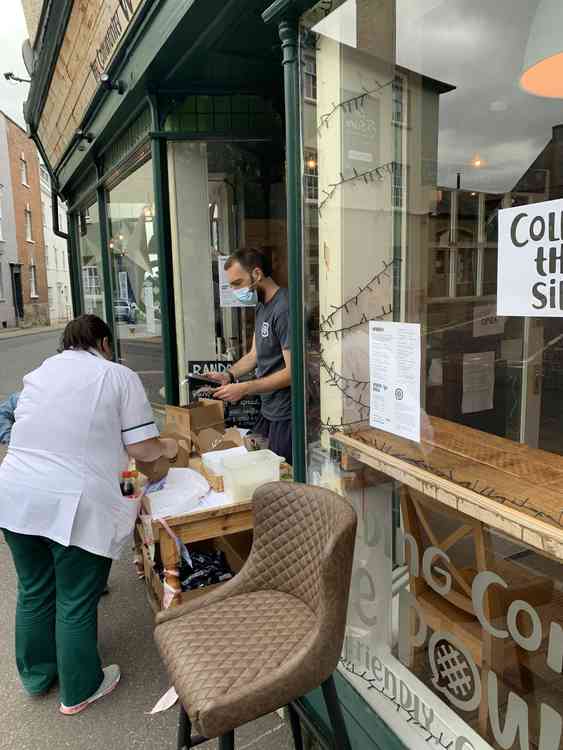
(171, 562)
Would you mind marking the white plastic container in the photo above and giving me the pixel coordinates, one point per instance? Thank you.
(244, 474)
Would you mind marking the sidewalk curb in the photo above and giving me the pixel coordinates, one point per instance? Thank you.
(18, 332)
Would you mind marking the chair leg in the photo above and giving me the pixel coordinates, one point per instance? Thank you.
(295, 728)
(227, 741)
(341, 739)
(184, 730)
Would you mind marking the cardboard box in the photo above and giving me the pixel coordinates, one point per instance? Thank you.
(199, 415)
(156, 470)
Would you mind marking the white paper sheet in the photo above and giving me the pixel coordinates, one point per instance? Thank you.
(394, 357)
(169, 699)
(486, 322)
(478, 382)
(436, 373)
(182, 492)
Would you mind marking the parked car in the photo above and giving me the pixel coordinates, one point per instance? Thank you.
(125, 311)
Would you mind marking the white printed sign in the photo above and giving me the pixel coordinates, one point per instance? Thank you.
(226, 296)
(478, 382)
(486, 322)
(394, 359)
(530, 260)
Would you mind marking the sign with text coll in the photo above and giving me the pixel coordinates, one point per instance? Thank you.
(394, 365)
(530, 260)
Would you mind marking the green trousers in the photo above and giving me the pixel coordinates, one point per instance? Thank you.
(59, 589)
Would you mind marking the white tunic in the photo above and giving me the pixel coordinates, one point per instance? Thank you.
(60, 478)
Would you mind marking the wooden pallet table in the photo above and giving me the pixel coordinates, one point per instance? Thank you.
(221, 526)
(507, 486)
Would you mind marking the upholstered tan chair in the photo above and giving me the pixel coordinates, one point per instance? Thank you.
(275, 631)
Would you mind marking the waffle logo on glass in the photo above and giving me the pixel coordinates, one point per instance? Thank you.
(454, 671)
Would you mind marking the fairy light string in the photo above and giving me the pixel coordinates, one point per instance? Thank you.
(371, 682)
(370, 176)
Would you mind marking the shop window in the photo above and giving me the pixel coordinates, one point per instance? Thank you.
(28, 223)
(24, 174)
(445, 511)
(222, 114)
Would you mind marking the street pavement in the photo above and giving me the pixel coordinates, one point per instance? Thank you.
(120, 720)
(21, 354)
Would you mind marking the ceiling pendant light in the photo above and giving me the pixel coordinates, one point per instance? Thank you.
(542, 73)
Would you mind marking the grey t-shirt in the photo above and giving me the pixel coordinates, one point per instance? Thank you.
(272, 337)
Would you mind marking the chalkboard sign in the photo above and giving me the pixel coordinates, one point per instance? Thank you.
(243, 414)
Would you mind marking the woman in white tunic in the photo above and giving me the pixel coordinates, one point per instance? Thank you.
(64, 518)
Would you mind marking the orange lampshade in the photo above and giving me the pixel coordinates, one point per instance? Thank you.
(542, 73)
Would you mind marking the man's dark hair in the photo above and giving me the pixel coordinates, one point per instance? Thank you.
(85, 332)
(250, 259)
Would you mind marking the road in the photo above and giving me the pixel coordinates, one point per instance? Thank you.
(22, 354)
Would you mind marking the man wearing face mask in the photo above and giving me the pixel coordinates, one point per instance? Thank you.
(250, 275)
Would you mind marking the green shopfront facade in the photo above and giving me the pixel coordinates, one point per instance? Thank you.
(367, 146)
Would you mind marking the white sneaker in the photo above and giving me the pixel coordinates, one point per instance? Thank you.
(112, 675)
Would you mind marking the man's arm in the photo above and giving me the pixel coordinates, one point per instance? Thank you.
(268, 384)
(245, 364)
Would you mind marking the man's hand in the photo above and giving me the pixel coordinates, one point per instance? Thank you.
(218, 377)
(234, 392)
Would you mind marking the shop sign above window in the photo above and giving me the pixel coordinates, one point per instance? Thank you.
(102, 26)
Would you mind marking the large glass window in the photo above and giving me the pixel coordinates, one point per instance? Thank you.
(90, 248)
(423, 129)
(135, 279)
(225, 196)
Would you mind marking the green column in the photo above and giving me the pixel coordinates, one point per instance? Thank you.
(165, 265)
(107, 269)
(74, 265)
(289, 35)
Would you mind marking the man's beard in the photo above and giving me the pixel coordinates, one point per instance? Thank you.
(260, 294)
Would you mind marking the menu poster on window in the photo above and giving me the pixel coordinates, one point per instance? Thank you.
(360, 132)
(226, 296)
(530, 260)
(394, 364)
(478, 382)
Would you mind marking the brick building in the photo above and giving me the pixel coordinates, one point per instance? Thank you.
(28, 275)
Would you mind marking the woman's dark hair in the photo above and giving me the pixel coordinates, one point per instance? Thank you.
(85, 332)
(249, 259)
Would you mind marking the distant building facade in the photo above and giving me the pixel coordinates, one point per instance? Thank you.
(56, 256)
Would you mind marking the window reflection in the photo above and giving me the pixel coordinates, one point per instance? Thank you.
(91, 262)
(135, 279)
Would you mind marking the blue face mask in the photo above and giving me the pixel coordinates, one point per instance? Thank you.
(246, 295)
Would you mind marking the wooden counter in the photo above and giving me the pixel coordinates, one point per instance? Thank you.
(505, 485)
